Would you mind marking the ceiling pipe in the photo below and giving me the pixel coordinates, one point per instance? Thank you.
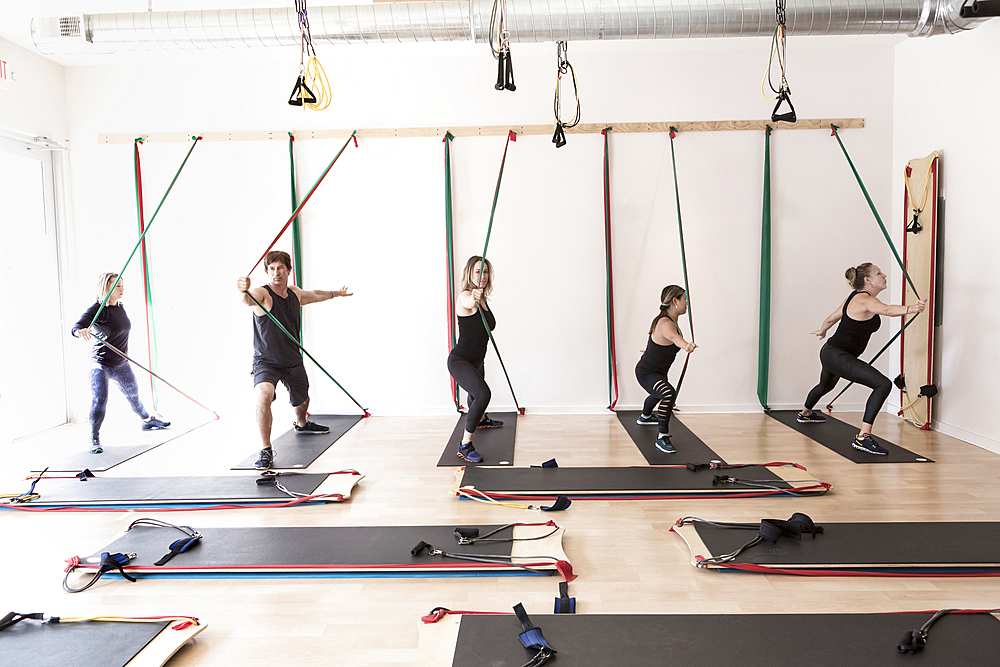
(528, 21)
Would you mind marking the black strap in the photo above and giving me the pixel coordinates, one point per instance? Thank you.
(13, 618)
(772, 529)
(564, 603)
(531, 638)
(179, 547)
(561, 503)
(85, 475)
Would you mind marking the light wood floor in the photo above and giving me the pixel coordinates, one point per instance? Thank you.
(627, 559)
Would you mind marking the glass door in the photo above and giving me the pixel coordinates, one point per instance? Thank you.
(32, 331)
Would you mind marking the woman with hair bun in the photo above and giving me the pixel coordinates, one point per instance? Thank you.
(859, 319)
(112, 325)
(665, 340)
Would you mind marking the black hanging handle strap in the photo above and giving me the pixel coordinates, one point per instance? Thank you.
(789, 116)
(564, 603)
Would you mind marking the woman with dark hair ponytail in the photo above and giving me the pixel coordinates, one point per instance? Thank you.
(859, 319)
(665, 340)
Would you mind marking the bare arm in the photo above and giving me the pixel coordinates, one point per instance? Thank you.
(315, 296)
(259, 293)
(666, 328)
(468, 301)
(832, 319)
(876, 307)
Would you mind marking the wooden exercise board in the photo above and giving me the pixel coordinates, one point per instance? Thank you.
(919, 257)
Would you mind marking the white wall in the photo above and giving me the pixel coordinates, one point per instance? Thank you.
(377, 223)
(35, 105)
(947, 92)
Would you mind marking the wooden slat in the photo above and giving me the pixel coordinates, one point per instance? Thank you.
(493, 130)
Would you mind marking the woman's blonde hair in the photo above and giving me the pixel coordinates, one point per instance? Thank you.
(104, 283)
(856, 274)
(667, 296)
(469, 282)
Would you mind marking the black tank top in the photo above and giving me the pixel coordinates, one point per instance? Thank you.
(472, 336)
(657, 358)
(270, 345)
(852, 335)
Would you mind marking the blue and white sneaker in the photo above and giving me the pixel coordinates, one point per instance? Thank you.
(154, 424)
(866, 443)
(663, 444)
(643, 419)
(95, 445)
(811, 418)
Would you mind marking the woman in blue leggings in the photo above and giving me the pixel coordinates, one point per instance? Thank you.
(113, 326)
(859, 319)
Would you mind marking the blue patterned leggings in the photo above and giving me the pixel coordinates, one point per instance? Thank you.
(125, 379)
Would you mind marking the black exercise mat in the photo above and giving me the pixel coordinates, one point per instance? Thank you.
(730, 640)
(109, 458)
(273, 547)
(181, 489)
(690, 447)
(925, 544)
(496, 445)
(293, 451)
(837, 436)
(116, 454)
(612, 480)
(93, 644)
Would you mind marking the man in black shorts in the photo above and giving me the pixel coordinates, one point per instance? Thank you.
(276, 358)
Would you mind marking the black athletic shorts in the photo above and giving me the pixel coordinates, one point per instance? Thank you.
(294, 378)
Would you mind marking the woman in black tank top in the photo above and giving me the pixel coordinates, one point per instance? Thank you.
(859, 319)
(665, 341)
(465, 363)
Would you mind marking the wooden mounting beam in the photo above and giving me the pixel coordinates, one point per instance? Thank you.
(493, 130)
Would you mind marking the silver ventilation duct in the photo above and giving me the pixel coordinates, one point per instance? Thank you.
(528, 21)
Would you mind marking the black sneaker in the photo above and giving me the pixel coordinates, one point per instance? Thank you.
(95, 445)
(265, 460)
(811, 418)
(311, 428)
(489, 423)
(154, 424)
(643, 419)
(468, 453)
(663, 444)
(866, 443)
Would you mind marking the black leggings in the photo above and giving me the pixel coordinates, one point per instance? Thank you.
(125, 379)
(473, 380)
(660, 391)
(838, 364)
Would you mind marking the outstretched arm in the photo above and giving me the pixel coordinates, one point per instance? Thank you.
(873, 305)
(315, 296)
(833, 318)
(259, 293)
